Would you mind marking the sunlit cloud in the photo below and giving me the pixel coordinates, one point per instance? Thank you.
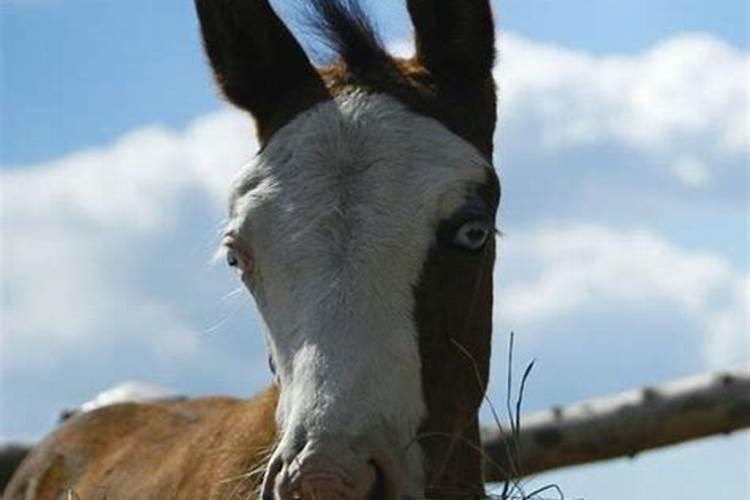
(84, 233)
(670, 123)
(551, 274)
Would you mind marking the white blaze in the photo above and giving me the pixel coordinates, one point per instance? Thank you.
(340, 210)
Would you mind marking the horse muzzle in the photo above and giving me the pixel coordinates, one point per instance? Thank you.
(331, 471)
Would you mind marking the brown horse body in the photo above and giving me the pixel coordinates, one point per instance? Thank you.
(364, 229)
(211, 448)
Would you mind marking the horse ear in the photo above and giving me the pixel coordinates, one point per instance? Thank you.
(455, 39)
(257, 62)
(455, 42)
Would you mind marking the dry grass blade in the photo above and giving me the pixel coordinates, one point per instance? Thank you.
(512, 488)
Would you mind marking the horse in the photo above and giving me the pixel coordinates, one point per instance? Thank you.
(364, 229)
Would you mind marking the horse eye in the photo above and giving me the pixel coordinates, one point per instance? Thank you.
(472, 235)
(232, 260)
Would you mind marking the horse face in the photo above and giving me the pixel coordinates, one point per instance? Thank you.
(364, 231)
(331, 227)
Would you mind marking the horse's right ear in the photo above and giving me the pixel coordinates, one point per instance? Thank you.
(257, 62)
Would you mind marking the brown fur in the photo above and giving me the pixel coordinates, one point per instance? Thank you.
(208, 448)
(454, 317)
(236, 32)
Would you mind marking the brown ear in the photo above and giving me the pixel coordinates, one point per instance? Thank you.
(455, 39)
(258, 64)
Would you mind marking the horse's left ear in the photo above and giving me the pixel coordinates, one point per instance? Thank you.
(258, 63)
(455, 39)
(455, 42)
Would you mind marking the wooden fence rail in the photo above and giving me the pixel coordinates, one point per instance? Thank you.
(622, 425)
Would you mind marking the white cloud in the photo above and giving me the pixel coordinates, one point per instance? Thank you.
(81, 234)
(131, 391)
(683, 102)
(550, 274)
(690, 85)
(692, 173)
(729, 328)
(134, 180)
(679, 109)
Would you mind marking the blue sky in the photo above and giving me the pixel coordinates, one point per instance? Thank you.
(623, 147)
(83, 72)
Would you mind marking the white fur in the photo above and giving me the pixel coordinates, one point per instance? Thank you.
(340, 210)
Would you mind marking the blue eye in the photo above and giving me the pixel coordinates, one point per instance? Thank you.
(472, 235)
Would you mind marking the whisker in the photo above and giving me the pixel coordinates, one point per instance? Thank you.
(252, 478)
(233, 294)
(222, 322)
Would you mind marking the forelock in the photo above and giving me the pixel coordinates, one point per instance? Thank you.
(348, 31)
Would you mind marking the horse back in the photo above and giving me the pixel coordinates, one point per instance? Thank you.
(206, 448)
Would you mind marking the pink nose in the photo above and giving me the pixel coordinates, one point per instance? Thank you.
(319, 477)
(331, 487)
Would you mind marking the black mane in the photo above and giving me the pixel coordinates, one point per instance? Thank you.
(346, 28)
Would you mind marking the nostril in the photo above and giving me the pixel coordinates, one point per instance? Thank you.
(379, 487)
(322, 487)
(387, 483)
(330, 485)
